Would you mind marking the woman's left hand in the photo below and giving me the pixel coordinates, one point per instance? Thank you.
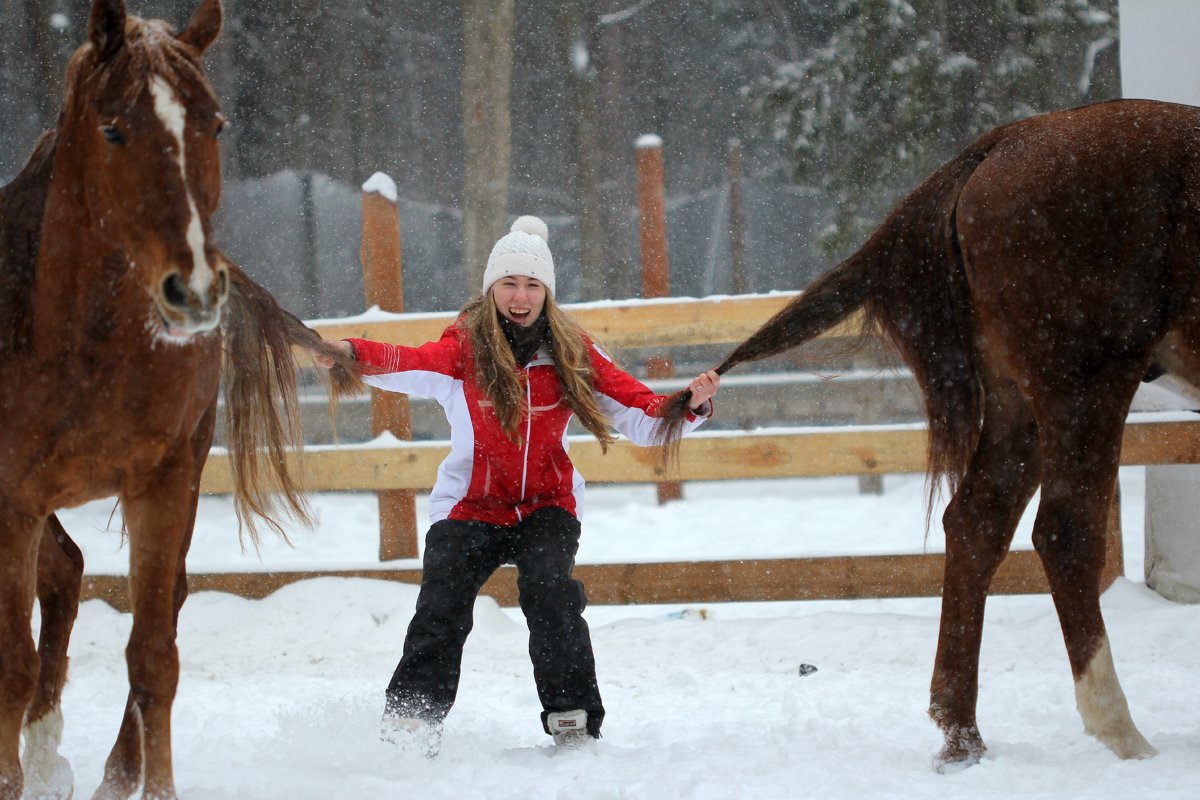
(703, 387)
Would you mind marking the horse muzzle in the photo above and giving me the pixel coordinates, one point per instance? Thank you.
(185, 311)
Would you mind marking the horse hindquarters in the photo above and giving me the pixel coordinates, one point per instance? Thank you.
(59, 581)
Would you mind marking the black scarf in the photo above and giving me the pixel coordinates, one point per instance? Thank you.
(525, 341)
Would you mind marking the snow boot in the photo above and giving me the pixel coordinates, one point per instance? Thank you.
(412, 734)
(569, 729)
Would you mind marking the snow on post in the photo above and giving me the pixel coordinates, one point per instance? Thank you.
(382, 184)
(648, 140)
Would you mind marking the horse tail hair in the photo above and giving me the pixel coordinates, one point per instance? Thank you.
(262, 422)
(909, 281)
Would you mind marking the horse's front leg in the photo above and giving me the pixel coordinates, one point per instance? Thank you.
(48, 775)
(979, 524)
(159, 518)
(18, 656)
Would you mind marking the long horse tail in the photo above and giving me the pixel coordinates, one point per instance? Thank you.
(909, 281)
(262, 421)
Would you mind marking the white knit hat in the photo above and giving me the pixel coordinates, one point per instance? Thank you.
(522, 251)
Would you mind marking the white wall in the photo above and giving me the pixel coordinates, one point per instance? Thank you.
(1160, 49)
(1160, 60)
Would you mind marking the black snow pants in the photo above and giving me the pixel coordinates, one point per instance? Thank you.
(459, 557)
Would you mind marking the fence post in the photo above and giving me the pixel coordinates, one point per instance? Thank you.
(656, 276)
(383, 285)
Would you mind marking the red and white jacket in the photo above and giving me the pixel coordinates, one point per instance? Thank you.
(487, 477)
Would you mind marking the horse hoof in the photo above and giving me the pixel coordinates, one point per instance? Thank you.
(948, 765)
(963, 748)
(1129, 745)
(49, 778)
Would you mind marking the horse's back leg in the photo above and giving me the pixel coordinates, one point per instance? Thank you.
(19, 533)
(59, 580)
(979, 524)
(1081, 442)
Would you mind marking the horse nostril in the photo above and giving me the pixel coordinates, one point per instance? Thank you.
(174, 292)
(223, 283)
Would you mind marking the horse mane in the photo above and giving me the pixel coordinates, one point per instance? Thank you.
(150, 48)
(259, 366)
(22, 206)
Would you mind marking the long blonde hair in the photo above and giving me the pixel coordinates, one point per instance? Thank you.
(496, 368)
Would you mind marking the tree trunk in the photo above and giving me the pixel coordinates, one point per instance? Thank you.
(49, 71)
(580, 27)
(487, 88)
(973, 34)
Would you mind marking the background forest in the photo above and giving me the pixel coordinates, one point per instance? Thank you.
(838, 107)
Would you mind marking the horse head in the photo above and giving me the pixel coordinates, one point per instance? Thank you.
(140, 123)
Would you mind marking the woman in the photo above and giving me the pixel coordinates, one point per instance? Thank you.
(510, 373)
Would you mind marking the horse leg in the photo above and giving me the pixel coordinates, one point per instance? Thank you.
(979, 524)
(18, 656)
(1080, 461)
(59, 581)
(159, 520)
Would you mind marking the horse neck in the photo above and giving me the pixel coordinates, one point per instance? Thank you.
(78, 270)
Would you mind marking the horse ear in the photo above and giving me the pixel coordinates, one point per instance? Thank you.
(106, 27)
(203, 27)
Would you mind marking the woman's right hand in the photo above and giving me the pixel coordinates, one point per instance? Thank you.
(325, 361)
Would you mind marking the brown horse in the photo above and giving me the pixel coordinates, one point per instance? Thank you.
(118, 321)
(1029, 284)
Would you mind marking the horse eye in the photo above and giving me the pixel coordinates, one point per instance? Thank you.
(222, 126)
(112, 134)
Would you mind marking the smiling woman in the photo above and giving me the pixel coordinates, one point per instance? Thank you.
(118, 315)
(511, 372)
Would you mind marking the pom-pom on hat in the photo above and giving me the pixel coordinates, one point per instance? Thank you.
(522, 251)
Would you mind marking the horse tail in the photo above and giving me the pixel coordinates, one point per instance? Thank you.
(262, 422)
(909, 281)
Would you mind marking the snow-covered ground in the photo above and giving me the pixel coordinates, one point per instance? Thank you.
(280, 698)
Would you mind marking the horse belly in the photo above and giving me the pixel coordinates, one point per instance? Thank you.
(74, 475)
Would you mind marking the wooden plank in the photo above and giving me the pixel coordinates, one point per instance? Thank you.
(824, 578)
(800, 453)
(658, 324)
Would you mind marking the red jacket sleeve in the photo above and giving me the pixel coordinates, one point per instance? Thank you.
(424, 371)
(633, 408)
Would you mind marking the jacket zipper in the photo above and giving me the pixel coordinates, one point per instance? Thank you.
(528, 431)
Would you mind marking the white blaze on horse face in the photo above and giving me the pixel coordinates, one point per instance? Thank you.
(1101, 703)
(172, 114)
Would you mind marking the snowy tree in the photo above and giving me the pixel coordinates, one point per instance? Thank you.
(899, 85)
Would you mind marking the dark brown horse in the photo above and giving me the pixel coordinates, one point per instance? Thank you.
(118, 320)
(1029, 284)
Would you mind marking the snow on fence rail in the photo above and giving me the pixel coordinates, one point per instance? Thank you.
(388, 464)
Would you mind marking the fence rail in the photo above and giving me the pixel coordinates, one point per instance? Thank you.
(388, 464)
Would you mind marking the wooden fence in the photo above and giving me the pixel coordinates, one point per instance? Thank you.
(713, 456)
